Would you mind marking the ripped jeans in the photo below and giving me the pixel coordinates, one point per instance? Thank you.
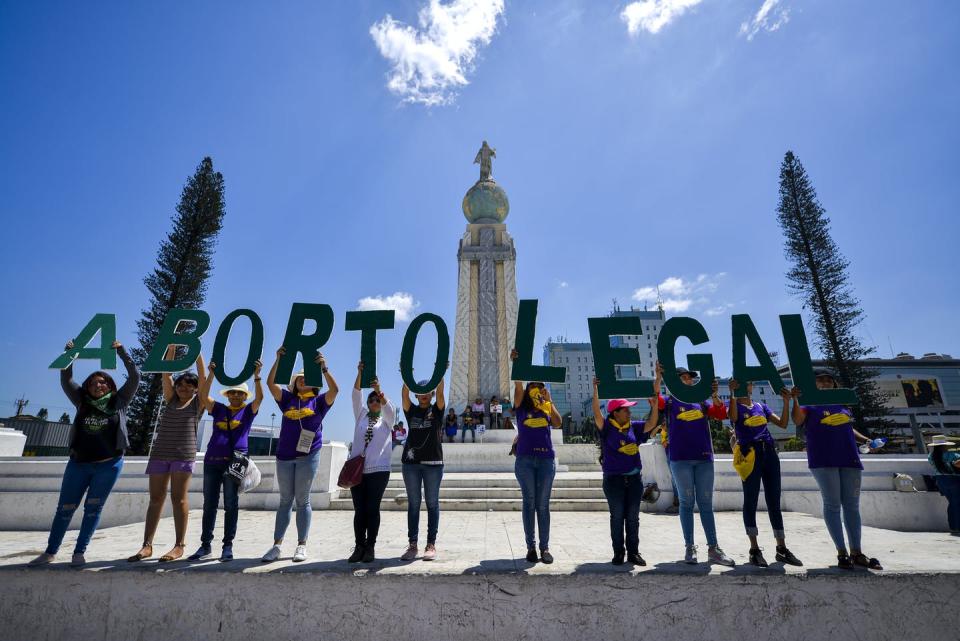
(96, 480)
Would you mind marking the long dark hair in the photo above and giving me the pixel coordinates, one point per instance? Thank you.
(109, 379)
(526, 404)
(187, 377)
(936, 457)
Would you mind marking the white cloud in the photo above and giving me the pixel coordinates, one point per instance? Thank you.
(680, 294)
(770, 16)
(654, 15)
(563, 284)
(401, 302)
(432, 61)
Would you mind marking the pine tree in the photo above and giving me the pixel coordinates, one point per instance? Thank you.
(64, 418)
(819, 278)
(43, 413)
(184, 262)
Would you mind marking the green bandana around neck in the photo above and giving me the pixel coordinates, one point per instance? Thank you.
(101, 404)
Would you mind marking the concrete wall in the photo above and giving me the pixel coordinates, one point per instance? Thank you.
(495, 457)
(11, 441)
(369, 607)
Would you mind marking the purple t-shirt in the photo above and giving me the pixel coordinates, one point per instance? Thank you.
(228, 425)
(688, 430)
(621, 453)
(533, 428)
(751, 425)
(830, 439)
(300, 412)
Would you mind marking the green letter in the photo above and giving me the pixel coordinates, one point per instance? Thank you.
(606, 358)
(523, 368)
(296, 342)
(743, 327)
(801, 367)
(368, 323)
(169, 335)
(409, 345)
(673, 329)
(220, 346)
(106, 324)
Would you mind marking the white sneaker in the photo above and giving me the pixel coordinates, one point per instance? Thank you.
(43, 559)
(691, 555)
(430, 552)
(411, 553)
(300, 554)
(272, 554)
(718, 556)
(78, 561)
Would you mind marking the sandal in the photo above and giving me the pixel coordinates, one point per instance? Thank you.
(861, 559)
(146, 551)
(844, 562)
(172, 555)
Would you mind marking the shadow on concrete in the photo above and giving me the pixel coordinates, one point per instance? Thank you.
(604, 568)
(498, 566)
(679, 567)
(745, 569)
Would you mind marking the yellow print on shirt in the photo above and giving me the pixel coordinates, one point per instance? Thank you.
(834, 420)
(758, 420)
(223, 425)
(536, 422)
(691, 415)
(296, 414)
(630, 449)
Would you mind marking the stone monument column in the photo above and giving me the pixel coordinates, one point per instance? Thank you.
(486, 294)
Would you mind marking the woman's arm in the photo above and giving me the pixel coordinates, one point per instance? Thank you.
(130, 386)
(799, 415)
(357, 395)
(555, 419)
(441, 399)
(597, 414)
(654, 419)
(203, 390)
(781, 419)
(275, 390)
(70, 387)
(734, 411)
(201, 382)
(332, 388)
(167, 377)
(257, 386)
(405, 398)
(860, 437)
(517, 385)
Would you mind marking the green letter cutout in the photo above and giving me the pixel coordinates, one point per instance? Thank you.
(296, 342)
(673, 329)
(168, 335)
(106, 324)
(409, 345)
(220, 346)
(368, 323)
(743, 328)
(801, 367)
(606, 358)
(523, 368)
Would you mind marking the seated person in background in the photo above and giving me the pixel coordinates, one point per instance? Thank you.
(945, 459)
(477, 409)
(496, 413)
(468, 424)
(450, 426)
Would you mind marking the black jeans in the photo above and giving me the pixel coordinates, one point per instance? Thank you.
(766, 470)
(212, 481)
(624, 492)
(366, 506)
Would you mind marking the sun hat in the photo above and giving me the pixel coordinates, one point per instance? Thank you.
(939, 439)
(616, 403)
(293, 381)
(242, 387)
(823, 371)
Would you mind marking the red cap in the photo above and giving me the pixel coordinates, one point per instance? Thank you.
(614, 404)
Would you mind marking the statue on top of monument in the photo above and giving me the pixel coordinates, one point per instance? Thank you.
(483, 158)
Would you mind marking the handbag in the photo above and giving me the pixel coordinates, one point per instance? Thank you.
(743, 464)
(352, 473)
(241, 470)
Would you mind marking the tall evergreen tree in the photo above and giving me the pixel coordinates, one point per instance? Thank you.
(179, 280)
(819, 278)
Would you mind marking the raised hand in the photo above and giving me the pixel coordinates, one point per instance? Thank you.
(212, 366)
(360, 367)
(117, 345)
(514, 354)
(257, 366)
(320, 360)
(785, 393)
(281, 351)
(795, 392)
(68, 346)
(733, 385)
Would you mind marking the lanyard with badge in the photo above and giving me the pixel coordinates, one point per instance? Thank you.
(306, 436)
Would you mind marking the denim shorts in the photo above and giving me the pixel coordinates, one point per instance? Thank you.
(169, 467)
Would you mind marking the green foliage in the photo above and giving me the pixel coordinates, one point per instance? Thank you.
(819, 278)
(720, 435)
(64, 418)
(184, 263)
(793, 444)
(43, 413)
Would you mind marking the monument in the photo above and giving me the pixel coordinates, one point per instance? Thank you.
(486, 293)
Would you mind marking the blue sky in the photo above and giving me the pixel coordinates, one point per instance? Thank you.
(639, 143)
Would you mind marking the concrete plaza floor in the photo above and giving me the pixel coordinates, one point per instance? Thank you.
(493, 542)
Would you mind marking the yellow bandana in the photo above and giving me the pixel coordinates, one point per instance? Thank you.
(536, 395)
(305, 395)
(295, 414)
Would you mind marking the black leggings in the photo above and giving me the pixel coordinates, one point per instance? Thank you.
(366, 506)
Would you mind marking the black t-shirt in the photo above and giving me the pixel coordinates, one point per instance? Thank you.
(95, 436)
(423, 435)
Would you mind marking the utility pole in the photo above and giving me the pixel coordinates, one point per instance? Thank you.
(21, 404)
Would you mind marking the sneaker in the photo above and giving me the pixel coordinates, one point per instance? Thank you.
(369, 554)
(430, 552)
(300, 554)
(357, 554)
(545, 556)
(272, 554)
(227, 553)
(756, 558)
(43, 559)
(635, 558)
(716, 555)
(411, 553)
(786, 556)
(690, 556)
(617, 558)
(532, 555)
(78, 560)
(202, 551)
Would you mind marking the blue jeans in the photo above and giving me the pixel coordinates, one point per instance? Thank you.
(949, 486)
(624, 492)
(766, 470)
(694, 481)
(212, 481)
(535, 474)
(840, 490)
(416, 475)
(473, 433)
(295, 480)
(96, 480)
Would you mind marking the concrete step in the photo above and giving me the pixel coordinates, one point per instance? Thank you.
(483, 505)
